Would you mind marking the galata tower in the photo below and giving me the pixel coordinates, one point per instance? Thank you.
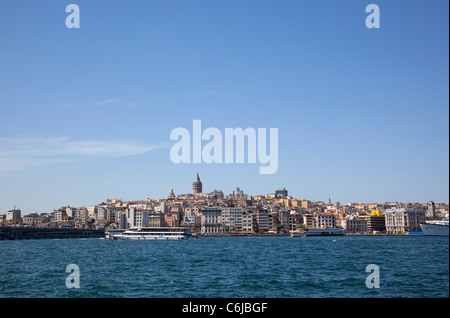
(197, 185)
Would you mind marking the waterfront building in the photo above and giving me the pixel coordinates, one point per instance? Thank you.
(197, 186)
(232, 218)
(283, 217)
(156, 219)
(308, 221)
(325, 220)
(354, 225)
(403, 220)
(248, 223)
(32, 219)
(121, 221)
(14, 214)
(101, 213)
(81, 216)
(58, 215)
(111, 213)
(272, 219)
(376, 222)
(137, 218)
(262, 220)
(211, 221)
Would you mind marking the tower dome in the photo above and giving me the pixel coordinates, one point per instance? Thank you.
(197, 185)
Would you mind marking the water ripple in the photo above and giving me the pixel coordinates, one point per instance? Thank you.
(227, 267)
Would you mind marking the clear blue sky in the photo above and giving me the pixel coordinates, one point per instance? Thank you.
(86, 114)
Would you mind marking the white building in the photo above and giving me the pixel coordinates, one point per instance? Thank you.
(232, 218)
(211, 220)
(122, 222)
(101, 213)
(59, 215)
(137, 218)
(325, 220)
(13, 215)
(402, 221)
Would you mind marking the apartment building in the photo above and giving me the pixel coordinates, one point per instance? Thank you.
(248, 223)
(13, 214)
(354, 226)
(137, 218)
(309, 221)
(156, 219)
(262, 220)
(211, 220)
(232, 218)
(32, 219)
(375, 223)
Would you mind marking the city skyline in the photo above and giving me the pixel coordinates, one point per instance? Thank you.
(362, 114)
(196, 191)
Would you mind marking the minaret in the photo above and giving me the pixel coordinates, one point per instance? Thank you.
(197, 185)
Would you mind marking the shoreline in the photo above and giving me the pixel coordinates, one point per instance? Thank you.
(278, 235)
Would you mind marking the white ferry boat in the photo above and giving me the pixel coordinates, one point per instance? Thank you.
(324, 232)
(154, 233)
(438, 228)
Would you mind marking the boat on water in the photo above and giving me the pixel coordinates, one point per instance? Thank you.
(319, 232)
(154, 233)
(325, 232)
(437, 228)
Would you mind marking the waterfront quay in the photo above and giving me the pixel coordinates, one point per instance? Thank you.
(25, 233)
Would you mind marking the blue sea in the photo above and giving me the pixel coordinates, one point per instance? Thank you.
(228, 267)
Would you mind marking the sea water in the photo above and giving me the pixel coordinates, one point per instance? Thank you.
(228, 267)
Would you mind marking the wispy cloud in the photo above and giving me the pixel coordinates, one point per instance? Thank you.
(19, 153)
(106, 102)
